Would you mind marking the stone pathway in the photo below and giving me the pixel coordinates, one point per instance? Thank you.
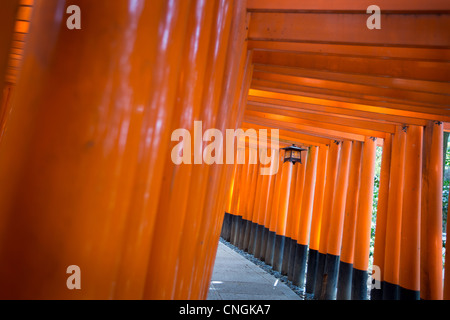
(236, 278)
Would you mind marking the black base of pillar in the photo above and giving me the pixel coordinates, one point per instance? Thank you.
(248, 229)
(331, 276)
(226, 227)
(292, 255)
(278, 252)
(264, 237)
(408, 294)
(237, 230)
(286, 251)
(344, 284)
(241, 237)
(298, 276)
(320, 275)
(270, 248)
(313, 259)
(390, 291)
(359, 284)
(258, 241)
(251, 243)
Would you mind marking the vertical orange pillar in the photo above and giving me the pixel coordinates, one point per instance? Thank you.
(290, 220)
(244, 196)
(241, 208)
(296, 208)
(251, 194)
(256, 200)
(192, 257)
(337, 223)
(235, 213)
(332, 170)
(382, 213)
(268, 207)
(319, 195)
(283, 208)
(69, 172)
(274, 213)
(431, 214)
(344, 285)
(394, 218)
(409, 278)
(363, 222)
(304, 226)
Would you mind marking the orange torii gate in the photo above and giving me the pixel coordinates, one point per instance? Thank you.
(87, 176)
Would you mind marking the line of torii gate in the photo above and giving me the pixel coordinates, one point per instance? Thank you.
(87, 178)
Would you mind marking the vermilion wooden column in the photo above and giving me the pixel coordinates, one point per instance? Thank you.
(297, 210)
(251, 195)
(394, 217)
(290, 220)
(229, 113)
(264, 230)
(363, 222)
(256, 200)
(332, 170)
(319, 194)
(337, 223)
(283, 207)
(274, 214)
(304, 226)
(382, 213)
(431, 214)
(241, 202)
(69, 172)
(235, 209)
(190, 260)
(344, 285)
(409, 278)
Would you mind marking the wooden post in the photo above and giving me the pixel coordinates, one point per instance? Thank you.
(363, 222)
(344, 285)
(283, 207)
(394, 217)
(319, 195)
(332, 170)
(304, 227)
(382, 213)
(337, 223)
(431, 215)
(409, 279)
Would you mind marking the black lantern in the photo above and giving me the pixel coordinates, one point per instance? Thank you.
(293, 154)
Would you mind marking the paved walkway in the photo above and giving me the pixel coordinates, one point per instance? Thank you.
(236, 278)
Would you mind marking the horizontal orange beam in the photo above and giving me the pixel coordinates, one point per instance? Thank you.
(396, 68)
(397, 29)
(352, 104)
(358, 90)
(353, 97)
(324, 118)
(288, 134)
(319, 109)
(437, 54)
(348, 5)
(307, 129)
(440, 88)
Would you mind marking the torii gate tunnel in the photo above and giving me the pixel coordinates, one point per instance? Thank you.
(93, 92)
